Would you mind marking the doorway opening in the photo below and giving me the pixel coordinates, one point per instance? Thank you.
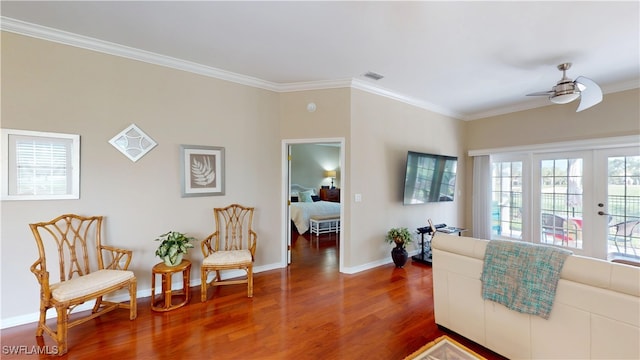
(314, 165)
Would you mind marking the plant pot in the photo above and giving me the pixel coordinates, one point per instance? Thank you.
(399, 255)
(177, 260)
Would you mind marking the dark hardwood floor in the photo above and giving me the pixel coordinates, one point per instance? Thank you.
(306, 311)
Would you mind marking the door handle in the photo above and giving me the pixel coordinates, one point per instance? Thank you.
(602, 213)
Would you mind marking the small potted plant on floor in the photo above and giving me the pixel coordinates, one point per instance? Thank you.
(400, 237)
(173, 245)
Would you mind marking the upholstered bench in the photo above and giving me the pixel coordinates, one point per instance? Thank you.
(324, 224)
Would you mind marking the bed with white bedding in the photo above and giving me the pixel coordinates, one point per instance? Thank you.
(301, 211)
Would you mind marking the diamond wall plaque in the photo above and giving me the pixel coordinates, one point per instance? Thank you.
(133, 142)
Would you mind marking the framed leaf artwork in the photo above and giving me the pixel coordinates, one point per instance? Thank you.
(202, 169)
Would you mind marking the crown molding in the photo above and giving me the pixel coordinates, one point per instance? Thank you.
(507, 110)
(314, 85)
(624, 86)
(611, 89)
(366, 86)
(85, 42)
(88, 43)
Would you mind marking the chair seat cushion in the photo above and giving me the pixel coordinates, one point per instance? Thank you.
(231, 257)
(90, 283)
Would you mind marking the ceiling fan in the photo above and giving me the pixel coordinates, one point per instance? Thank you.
(567, 90)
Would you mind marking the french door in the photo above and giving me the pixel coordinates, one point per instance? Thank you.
(618, 201)
(587, 201)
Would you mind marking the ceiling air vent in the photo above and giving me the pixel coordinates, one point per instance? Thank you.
(372, 75)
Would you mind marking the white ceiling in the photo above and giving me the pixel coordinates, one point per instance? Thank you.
(462, 59)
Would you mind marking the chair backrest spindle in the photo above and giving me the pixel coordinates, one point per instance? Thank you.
(75, 237)
(233, 225)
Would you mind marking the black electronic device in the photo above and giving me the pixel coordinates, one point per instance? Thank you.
(427, 229)
(424, 230)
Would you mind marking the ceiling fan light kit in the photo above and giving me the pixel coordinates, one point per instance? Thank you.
(564, 99)
(567, 90)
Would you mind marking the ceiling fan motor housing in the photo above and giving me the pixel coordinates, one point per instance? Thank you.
(565, 86)
(564, 92)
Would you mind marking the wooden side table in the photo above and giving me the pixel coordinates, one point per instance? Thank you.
(163, 302)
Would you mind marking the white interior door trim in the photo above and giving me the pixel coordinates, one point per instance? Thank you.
(286, 224)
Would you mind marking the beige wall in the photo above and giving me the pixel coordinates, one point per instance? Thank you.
(378, 131)
(310, 161)
(330, 121)
(617, 115)
(383, 130)
(57, 88)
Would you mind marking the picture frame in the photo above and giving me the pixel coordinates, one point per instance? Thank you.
(202, 170)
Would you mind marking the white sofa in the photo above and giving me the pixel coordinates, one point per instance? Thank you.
(595, 315)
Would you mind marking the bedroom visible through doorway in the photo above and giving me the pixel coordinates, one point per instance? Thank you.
(313, 188)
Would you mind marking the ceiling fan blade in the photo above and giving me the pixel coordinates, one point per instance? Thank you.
(541, 93)
(590, 93)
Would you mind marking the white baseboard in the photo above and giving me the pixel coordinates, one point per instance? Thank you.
(373, 264)
(141, 293)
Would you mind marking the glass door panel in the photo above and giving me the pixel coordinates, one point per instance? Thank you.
(506, 197)
(623, 206)
(561, 201)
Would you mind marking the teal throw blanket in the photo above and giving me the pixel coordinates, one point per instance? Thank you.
(522, 276)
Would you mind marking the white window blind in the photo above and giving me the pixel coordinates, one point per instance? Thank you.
(41, 165)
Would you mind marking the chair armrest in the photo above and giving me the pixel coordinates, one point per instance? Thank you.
(208, 245)
(43, 278)
(252, 245)
(117, 255)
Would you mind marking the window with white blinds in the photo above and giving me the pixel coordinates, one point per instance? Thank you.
(40, 166)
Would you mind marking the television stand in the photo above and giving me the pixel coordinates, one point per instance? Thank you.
(425, 247)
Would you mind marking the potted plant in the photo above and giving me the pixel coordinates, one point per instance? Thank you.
(173, 246)
(400, 237)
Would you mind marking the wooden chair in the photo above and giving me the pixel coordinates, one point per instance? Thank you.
(231, 246)
(87, 270)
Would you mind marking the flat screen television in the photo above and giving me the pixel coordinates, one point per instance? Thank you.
(429, 178)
